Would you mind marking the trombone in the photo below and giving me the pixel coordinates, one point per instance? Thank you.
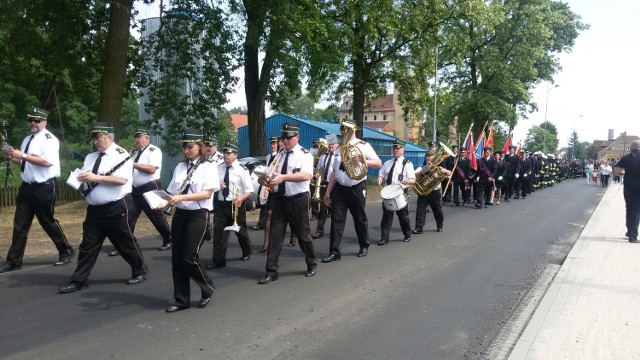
(234, 213)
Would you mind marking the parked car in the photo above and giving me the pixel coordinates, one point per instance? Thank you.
(251, 163)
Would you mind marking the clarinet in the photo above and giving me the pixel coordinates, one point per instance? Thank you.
(86, 188)
(170, 209)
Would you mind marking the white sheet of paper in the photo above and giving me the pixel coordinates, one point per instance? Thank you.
(73, 179)
(156, 198)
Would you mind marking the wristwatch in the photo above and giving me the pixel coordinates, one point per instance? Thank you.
(24, 156)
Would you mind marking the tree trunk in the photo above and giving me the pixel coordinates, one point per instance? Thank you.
(256, 82)
(115, 66)
(359, 74)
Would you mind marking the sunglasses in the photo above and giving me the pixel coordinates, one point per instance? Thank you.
(37, 121)
(288, 137)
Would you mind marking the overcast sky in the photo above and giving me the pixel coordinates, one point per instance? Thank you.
(599, 80)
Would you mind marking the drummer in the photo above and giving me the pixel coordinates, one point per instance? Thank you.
(398, 173)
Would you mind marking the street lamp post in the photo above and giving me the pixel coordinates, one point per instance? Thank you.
(435, 91)
(573, 148)
(546, 106)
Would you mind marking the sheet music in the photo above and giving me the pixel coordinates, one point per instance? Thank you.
(157, 198)
(73, 179)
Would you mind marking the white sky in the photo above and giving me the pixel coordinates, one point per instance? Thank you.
(597, 79)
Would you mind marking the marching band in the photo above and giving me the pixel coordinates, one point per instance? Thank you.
(210, 190)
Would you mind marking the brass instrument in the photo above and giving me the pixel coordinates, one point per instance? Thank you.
(353, 158)
(234, 213)
(272, 170)
(316, 181)
(427, 182)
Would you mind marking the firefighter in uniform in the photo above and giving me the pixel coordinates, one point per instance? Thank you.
(235, 187)
(107, 179)
(512, 166)
(461, 175)
(396, 171)
(290, 203)
(39, 168)
(485, 180)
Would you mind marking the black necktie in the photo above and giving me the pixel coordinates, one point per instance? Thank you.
(189, 167)
(24, 162)
(390, 175)
(96, 165)
(140, 153)
(285, 164)
(225, 191)
(326, 166)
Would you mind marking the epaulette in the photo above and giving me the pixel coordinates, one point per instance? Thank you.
(48, 136)
(220, 156)
(306, 151)
(209, 159)
(244, 167)
(120, 150)
(362, 142)
(151, 148)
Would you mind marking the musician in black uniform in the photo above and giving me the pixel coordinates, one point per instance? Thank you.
(512, 165)
(39, 162)
(461, 175)
(235, 187)
(345, 193)
(432, 199)
(291, 203)
(499, 176)
(107, 181)
(485, 180)
(325, 168)
(147, 163)
(192, 185)
(396, 171)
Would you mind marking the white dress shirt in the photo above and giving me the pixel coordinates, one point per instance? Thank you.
(45, 146)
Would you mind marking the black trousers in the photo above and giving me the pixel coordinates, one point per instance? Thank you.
(322, 217)
(102, 221)
(223, 218)
(511, 186)
(187, 233)
(157, 218)
(387, 222)
(459, 187)
(489, 190)
(294, 211)
(632, 200)
(38, 200)
(434, 200)
(522, 186)
(353, 199)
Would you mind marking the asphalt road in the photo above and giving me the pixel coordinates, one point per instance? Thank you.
(440, 296)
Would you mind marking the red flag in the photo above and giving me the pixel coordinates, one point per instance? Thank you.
(468, 144)
(519, 150)
(490, 137)
(507, 144)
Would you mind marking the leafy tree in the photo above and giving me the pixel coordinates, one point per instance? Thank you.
(239, 110)
(543, 137)
(188, 71)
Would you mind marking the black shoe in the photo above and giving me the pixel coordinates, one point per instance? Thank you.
(113, 253)
(478, 206)
(245, 257)
(383, 242)
(507, 200)
(136, 279)
(64, 259)
(455, 205)
(633, 241)
(215, 266)
(6, 267)
(291, 244)
(268, 278)
(331, 258)
(516, 197)
(363, 252)
(165, 247)
(262, 250)
(407, 239)
(72, 287)
(439, 230)
(417, 231)
(486, 206)
(204, 301)
(317, 235)
(257, 227)
(174, 308)
(310, 273)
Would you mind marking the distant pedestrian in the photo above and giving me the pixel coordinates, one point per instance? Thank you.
(588, 170)
(629, 166)
(605, 173)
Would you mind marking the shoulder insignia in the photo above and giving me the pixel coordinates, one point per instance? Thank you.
(362, 142)
(220, 156)
(151, 148)
(120, 150)
(306, 151)
(209, 159)
(244, 167)
(48, 136)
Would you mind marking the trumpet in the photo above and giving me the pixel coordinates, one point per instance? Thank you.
(272, 171)
(234, 214)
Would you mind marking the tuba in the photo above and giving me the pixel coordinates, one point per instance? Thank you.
(352, 157)
(316, 181)
(427, 182)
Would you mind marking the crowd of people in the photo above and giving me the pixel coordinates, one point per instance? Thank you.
(209, 190)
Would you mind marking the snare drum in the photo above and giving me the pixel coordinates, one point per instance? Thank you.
(393, 197)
